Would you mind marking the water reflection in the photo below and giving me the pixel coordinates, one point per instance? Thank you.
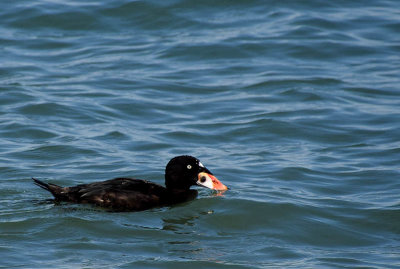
(190, 240)
(178, 224)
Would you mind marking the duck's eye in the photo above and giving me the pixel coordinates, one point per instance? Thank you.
(189, 166)
(203, 179)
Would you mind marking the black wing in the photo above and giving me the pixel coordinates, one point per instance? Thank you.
(121, 194)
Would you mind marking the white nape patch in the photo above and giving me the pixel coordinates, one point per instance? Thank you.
(201, 165)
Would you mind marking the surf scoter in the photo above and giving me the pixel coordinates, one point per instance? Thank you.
(129, 194)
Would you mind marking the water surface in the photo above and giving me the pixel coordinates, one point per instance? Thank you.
(292, 104)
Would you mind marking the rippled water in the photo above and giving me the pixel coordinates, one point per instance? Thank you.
(292, 104)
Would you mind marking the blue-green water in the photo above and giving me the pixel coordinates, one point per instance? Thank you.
(295, 105)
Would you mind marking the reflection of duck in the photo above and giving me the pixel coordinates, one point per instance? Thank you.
(128, 194)
(189, 235)
(175, 224)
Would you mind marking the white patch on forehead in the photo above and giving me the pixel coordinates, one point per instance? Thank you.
(201, 165)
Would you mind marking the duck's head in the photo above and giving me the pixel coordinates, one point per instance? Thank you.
(185, 171)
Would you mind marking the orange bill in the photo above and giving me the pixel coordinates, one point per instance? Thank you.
(210, 181)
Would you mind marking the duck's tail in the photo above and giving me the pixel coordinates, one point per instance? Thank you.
(52, 188)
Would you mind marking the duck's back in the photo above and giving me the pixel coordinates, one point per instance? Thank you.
(121, 194)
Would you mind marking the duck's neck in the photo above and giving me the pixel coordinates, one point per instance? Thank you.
(180, 196)
(173, 182)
